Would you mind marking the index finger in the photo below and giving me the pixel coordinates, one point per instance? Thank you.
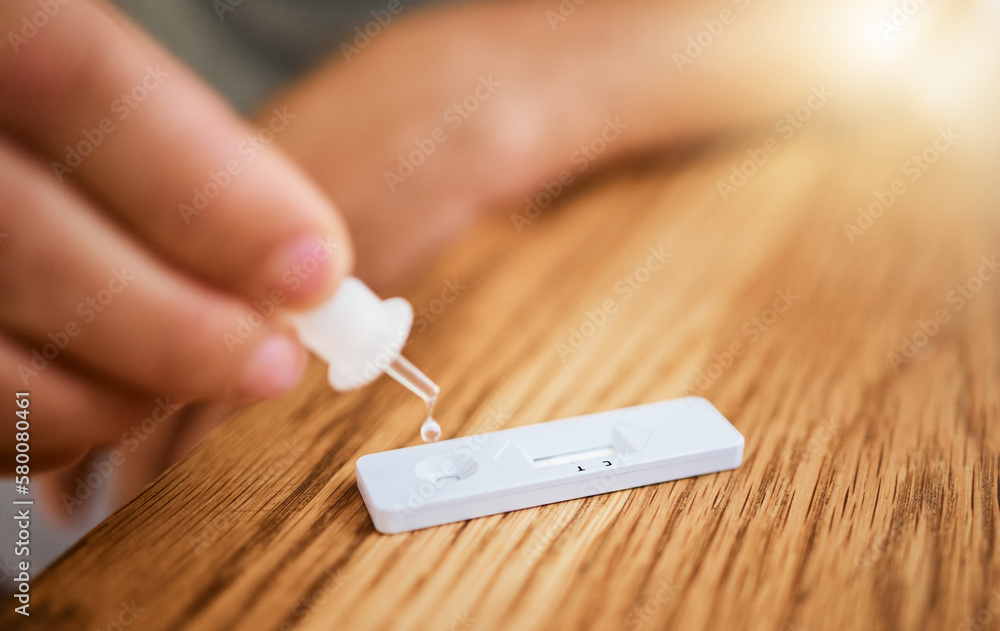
(120, 117)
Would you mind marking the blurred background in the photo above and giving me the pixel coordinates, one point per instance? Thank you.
(368, 78)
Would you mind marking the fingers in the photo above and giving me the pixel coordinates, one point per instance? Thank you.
(140, 462)
(97, 301)
(110, 477)
(122, 119)
(59, 433)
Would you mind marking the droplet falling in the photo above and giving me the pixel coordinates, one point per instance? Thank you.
(417, 382)
(430, 431)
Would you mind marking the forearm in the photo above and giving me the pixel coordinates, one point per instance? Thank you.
(686, 69)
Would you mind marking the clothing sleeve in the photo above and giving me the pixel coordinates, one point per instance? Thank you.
(248, 49)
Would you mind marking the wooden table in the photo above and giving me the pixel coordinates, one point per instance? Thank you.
(866, 384)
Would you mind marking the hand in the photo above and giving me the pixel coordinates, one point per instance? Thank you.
(147, 236)
(449, 112)
(441, 116)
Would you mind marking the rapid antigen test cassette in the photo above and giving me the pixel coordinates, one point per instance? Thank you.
(463, 478)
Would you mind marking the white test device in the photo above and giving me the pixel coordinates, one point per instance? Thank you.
(464, 478)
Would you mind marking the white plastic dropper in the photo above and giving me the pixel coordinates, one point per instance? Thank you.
(361, 336)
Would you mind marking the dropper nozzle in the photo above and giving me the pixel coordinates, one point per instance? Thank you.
(354, 332)
(417, 382)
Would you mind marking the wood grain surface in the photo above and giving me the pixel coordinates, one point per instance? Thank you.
(868, 494)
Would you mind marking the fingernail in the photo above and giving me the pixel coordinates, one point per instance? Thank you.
(305, 266)
(273, 368)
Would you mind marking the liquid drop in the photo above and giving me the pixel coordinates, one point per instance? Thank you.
(430, 431)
